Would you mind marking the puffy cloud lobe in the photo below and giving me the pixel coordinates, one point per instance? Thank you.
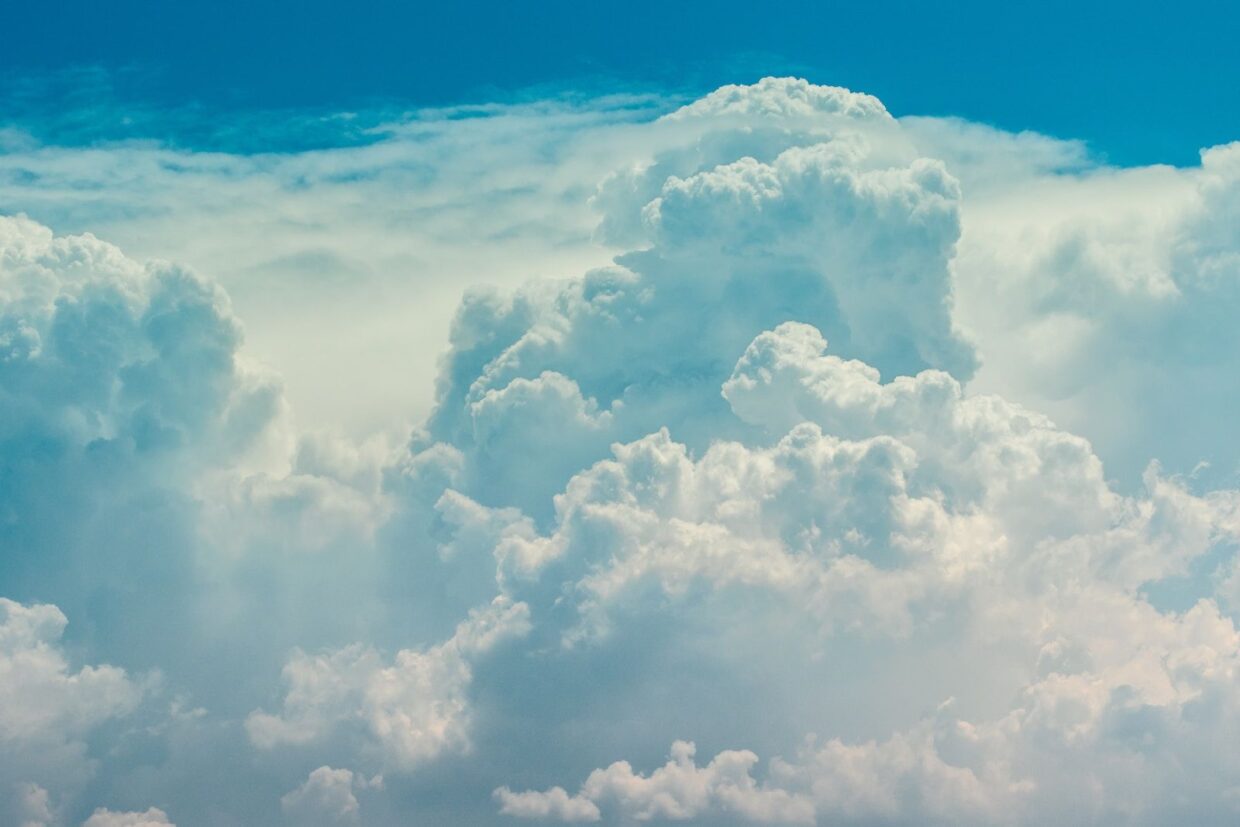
(926, 493)
(553, 804)
(881, 238)
(31, 806)
(677, 791)
(757, 121)
(904, 779)
(153, 817)
(101, 350)
(46, 708)
(121, 387)
(326, 798)
(975, 446)
(41, 694)
(409, 712)
(781, 98)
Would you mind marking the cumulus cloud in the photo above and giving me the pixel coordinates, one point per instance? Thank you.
(47, 709)
(120, 387)
(144, 486)
(826, 235)
(326, 798)
(31, 806)
(862, 488)
(678, 790)
(410, 711)
(872, 499)
(98, 348)
(968, 513)
(553, 804)
(107, 818)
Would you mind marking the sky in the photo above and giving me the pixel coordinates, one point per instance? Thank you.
(502, 414)
(1142, 82)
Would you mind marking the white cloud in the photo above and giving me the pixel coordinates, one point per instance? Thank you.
(874, 503)
(833, 235)
(42, 696)
(1102, 299)
(410, 711)
(782, 98)
(326, 798)
(107, 818)
(970, 514)
(679, 790)
(120, 385)
(553, 804)
(46, 708)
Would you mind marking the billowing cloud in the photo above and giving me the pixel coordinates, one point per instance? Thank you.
(120, 388)
(824, 235)
(327, 798)
(679, 790)
(410, 711)
(845, 469)
(934, 513)
(554, 804)
(153, 817)
(47, 709)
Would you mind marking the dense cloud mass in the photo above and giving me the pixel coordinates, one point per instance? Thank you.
(885, 476)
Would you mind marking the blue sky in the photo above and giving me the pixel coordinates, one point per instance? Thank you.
(479, 416)
(1143, 81)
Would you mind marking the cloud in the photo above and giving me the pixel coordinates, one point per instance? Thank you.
(107, 818)
(353, 237)
(679, 790)
(857, 497)
(121, 387)
(131, 433)
(98, 348)
(553, 804)
(410, 711)
(326, 798)
(1108, 308)
(874, 502)
(958, 510)
(782, 98)
(47, 709)
(31, 806)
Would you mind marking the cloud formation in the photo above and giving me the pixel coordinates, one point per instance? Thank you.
(845, 469)
(327, 798)
(47, 709)
(412, 710)
(151, 818)
(678, 791)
